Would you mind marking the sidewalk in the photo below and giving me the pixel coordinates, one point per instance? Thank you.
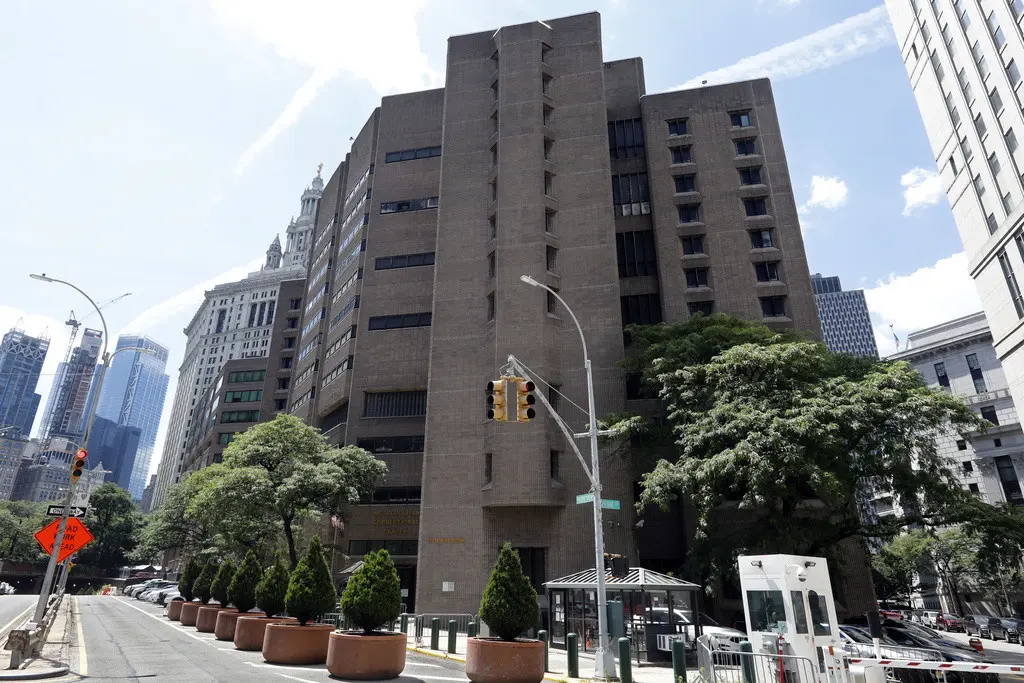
(558, 662)
(55, 656)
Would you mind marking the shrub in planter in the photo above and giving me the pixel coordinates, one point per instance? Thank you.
(372, 598)
(272, 588)
(219, 587)
(242, 589)
(509, 607)
(310, 589)
(201, 586)
(188, 577)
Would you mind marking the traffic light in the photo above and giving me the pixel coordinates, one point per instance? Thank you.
(78, 464)
(526, 399)
(496, 404)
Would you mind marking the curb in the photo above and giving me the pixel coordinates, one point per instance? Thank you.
(459, 658)
(34, 675)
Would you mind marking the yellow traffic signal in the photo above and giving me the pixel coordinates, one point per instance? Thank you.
(496, 404)
(78, 464)
(526, 399)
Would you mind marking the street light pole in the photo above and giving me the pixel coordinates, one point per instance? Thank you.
(604, 660)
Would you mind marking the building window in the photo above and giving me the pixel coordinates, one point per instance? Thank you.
(492, 224)
(554, 457)
(1008, 205)
(965, 19)
(979, 185)
(410, 154)
(954, 115)
(997, 443)
(289, 343)
(247, 396)
(1013, 71)
(758, 206)
(294, 304)
(293, 323)
(979, 125)
(1011, 140)
(992, 224)
(940, 73)
(630, 194)
(701, 307)
(762, 239)
(989, 413)
(286, 362)
(965, 147)
(967, 466)
(548, 148)
(239, 416)
(996, 101)
(745, 147)
(283, 383)
(545, 83)
(626, 138)
(952, 164)
(492, 265)
(995, 30)
(773, 306)
(549, 221)
(767, 271)
(552, 303)
(641, 309)
(636, 253)
(246, 376)
(225, 438)
(925, 33)
(696, 277)
(693, 244)
(409, 205)
(337, 371)
(750, 176)
(494, 190)
(973, 488)
(1011, 283)
(681, 155)
(488, 467)
(689, 213)
(740, 119)
(1008, 478)
(677, 127)
(392, 444)
(394, 322)
(976, 374)
(394, 495)
(548, 184)
(1017, 7)
(686, 183)
(551, 258)
(404, 261)
(961, 445)
(490, 306)
(940, 374)
(395, 403)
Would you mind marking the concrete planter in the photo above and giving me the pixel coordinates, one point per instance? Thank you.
(356, 656)
(207, 618)
(174, 609)
(491, 660)
(294, 644)
(189, 613)
(225, 627)
(249, 631)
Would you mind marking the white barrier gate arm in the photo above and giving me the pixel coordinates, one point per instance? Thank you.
(940, 666)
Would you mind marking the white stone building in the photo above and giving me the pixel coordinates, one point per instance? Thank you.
(234, 321)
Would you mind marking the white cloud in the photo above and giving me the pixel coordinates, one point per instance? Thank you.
(835, 44)
(306, 32)
(926, 297)
(827, 192)
(921, 188)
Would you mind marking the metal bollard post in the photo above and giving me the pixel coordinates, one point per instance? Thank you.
(453, 634)
(678, 661)
(405, 623)
(542, 636)
(471, 630)
(572, 646)
(435, 633)
(625, 665)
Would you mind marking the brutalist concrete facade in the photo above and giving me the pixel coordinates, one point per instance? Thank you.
(446, 198)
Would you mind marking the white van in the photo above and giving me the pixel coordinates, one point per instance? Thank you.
(929, 617)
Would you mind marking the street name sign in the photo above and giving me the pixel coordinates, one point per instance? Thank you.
(76, 537)
(611, 504)
(75, 511)
(584, 498)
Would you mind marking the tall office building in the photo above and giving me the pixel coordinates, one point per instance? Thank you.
(115, 447)
(68, 401)
(235, 321)
(133, 395)
(964, 59)
(537, 158)
(147, 494)
(21, 360)
(845, 321)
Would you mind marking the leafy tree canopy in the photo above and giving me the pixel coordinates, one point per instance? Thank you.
(19, 520)
(899, 564)
(115, 522)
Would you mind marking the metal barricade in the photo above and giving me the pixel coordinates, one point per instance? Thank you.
(422, 624)
(720, 666)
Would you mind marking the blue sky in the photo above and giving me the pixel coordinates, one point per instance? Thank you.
(157, 148)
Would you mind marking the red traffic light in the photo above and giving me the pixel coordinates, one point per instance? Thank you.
(78, 464)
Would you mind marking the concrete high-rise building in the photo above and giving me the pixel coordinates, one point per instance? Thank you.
(845, 321)
(147, 494)
(964, 60)
(235, 321)
(67, 403)
(536, 158)
(12, 451)
(21, 361)
(133, 394)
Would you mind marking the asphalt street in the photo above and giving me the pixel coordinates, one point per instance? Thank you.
(13, 608)
(999, 651)
(128, 640)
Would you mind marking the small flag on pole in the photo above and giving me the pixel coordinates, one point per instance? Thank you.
(337, 523)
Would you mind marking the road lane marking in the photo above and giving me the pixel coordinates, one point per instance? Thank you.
(303, 680)
(83, 661)
(15, 620)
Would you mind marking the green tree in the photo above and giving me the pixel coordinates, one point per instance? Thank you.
(242, 589)
(204, 582)
(219, 587)
(297, 473)
(170, 526)
(115, 522)
(509, 604)
(19, 520)
(373, 596)
(310, 590)
(229, 504)
(188, 578)
(272, 588)
(953, 552)
(899, 563)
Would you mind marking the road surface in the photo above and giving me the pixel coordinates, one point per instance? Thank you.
(129, 640)
(13, 609)
(998, 651)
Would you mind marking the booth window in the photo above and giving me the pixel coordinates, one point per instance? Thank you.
(819, 613)
(799, 613)
(767, 611)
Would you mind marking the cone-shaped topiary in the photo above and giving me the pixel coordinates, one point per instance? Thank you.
(271, 589)
(373, 596)
(219, 587)
(242, 589)
(509, 604)
(188, 576)
(310, 590)
(201, 587)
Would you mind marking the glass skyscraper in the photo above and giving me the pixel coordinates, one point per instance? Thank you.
(21, 360)
(133, 394)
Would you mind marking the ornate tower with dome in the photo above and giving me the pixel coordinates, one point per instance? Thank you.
(299, 237)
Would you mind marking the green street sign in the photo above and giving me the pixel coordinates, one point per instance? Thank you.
(584, 498)
(611, 505)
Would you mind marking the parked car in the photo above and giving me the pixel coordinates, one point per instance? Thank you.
(857, 641)
(168, 596)
(930, 617)
(722, 637)
(984, 626)
(6, 588)
(949, 622)
(909, 634)
(136, 587)
(1013, 629)
(154, 586)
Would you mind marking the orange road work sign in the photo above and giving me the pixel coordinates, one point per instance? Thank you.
(76, 537)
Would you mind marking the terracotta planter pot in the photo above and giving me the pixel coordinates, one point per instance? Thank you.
(490, 660)
(294, 644)
(354, 655)
(249, 631)
(207, 618)
(225, 627)
(189, 612)
(174, 609)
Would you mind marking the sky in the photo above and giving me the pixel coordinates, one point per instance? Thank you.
(158, 148)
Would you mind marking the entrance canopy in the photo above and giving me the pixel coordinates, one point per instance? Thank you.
(637, 579)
